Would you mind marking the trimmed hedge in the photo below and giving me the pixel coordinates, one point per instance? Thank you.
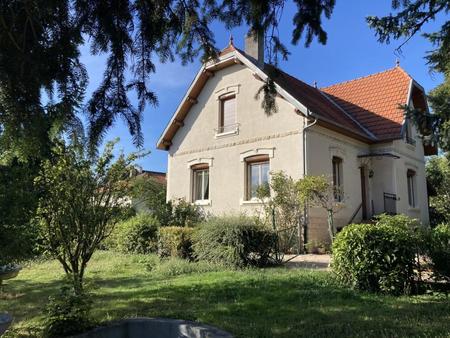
(175, 242)
(235, 241)
(377, 257)
(439, 251)
(138, 234)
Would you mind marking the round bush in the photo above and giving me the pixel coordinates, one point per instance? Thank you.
(440, 250)
(234, 241)
(376, 257)
(138, 234)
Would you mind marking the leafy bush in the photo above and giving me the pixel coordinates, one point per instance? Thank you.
(440, 250)
(183, 214)
(139, 234)
(176, 266)
(234, 241)
(67, 314)
(378, 257)
(175, 242)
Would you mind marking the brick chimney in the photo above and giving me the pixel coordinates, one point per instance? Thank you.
(254, 46)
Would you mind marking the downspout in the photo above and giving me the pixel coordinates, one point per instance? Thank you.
(305, 211)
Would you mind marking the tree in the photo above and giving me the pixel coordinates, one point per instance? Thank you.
(40, 52)
(438, 177)
(319, 191)
(83, 200)
(281, 201)
(18, 202)
(411, 17)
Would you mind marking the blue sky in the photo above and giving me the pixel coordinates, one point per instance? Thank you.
(351, 51)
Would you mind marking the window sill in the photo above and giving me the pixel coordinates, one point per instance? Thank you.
(254, 201)
(413, 209)
(226, 134)
(202, 202)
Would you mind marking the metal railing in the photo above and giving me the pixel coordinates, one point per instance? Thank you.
(390, 203)
(355, 213)
(227, 129)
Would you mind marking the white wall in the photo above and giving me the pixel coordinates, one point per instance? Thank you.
(278, 134)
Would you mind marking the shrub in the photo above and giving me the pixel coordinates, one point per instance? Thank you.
(139, 234)
(175, 242)
(176, 266)
(378, 257)
(440, 250)
(67, 313)
(234, 241)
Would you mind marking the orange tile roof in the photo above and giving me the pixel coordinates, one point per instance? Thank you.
(315, 100)
(374, 101)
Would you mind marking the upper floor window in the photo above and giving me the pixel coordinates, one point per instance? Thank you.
(200, 174)
(411, 181)
(227, 116)
(337, 178)
(257, 175)
(408, 133)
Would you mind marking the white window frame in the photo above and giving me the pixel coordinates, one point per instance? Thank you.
(249, 180)
(203, 186)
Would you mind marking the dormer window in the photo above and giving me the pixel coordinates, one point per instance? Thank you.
(408, 133)
(227, 115)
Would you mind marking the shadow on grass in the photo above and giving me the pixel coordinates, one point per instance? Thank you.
(278, 307)
(265, 303)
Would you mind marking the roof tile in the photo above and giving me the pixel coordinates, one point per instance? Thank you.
(374, 100)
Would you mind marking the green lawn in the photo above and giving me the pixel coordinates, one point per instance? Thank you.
(253, 303)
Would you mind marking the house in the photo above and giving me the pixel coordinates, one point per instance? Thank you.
(221, 145)
(159, 178)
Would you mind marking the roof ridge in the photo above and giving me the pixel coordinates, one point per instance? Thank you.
(367, 76)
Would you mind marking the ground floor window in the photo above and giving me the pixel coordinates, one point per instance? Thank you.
(257, 175)
(201, 183)
(337, 178)
(411, 180)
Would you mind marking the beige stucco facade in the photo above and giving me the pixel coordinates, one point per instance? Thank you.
(280, 137)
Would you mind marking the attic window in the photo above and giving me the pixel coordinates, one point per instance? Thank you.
(227, 115)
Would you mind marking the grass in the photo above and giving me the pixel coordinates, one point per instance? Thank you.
(252, 303)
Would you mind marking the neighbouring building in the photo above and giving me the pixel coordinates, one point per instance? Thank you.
(221, 145)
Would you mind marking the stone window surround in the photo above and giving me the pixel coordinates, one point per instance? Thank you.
(243, 157)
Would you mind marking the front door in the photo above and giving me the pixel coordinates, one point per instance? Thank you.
(363, 192)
